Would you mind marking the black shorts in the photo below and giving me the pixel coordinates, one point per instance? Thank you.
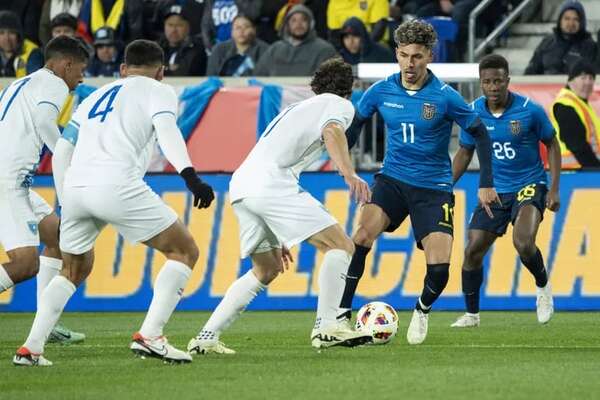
(534, 194)
(430, 210)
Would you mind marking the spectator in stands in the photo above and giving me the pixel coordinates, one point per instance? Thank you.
(317, 7)
(218, 18)
(18, 56)
(374, 13)
(239, 55)
(184, 54)
(63, 24)
(126, 17)
(107, 57)
(569, 42)
(357, 45)
(28, 13)
(50, 10)
(299, 52)
(154, 16)
(575, 121)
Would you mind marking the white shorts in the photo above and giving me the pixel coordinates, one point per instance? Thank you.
(21, 211)
(134, 210)
(268, 222)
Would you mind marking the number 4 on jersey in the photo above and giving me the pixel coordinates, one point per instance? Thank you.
(109, 97)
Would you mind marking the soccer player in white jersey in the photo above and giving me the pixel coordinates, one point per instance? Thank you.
(98, 167)
(29, 108)
(274, 213)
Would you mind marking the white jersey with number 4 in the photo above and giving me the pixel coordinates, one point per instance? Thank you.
(291, 142)
(20, 141)
(116, 136)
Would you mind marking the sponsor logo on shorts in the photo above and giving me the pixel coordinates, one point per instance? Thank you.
(33, 227)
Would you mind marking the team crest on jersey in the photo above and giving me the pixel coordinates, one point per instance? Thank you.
(364, 5)
(515, 127)
(428, 111)
(33, 226)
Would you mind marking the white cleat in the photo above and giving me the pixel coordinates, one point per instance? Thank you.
(158, 348)
(203, 346)
(25, 358)
(417, 330)
(467, 320)
(544, 304)
(338, 334)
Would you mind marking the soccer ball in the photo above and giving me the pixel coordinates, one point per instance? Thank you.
(379, 320)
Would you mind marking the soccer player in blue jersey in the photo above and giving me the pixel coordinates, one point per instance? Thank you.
(416, 179)
(516, 126)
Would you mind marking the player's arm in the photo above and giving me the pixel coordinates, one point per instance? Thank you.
(461, 161)
(173, 147)
(354, 130)
(63, 153)
(554, 161)
(366, 107)
(44, 120)
(336, 144)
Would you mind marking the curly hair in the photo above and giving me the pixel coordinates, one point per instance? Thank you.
(415, 32)
(333, 76)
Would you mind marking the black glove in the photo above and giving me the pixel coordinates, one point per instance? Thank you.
(203, 193)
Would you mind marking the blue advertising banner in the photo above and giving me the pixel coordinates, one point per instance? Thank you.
(123, 273)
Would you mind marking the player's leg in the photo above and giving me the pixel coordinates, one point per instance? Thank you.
(524, 234)
(385, 213)
(266, 265)
(178, 246)
(19, 237)
(431, 214)
(479, 242)
(337, 249)
(50, 266)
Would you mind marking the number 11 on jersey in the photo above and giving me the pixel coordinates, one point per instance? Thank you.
(411, 128)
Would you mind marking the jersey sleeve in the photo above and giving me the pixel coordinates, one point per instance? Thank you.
(466, 140)
(458, 110)
(163, 101)
(341, 112)
(544, 129)
(367, 105)
(54, 94)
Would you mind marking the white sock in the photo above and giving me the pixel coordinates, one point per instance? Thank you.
(235, 301)
(5, 281)
(49, 268)
(168, 289)
(53, 301)
(332, 281)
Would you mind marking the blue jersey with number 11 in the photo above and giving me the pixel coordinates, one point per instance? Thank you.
(419, 125)
(515, 137)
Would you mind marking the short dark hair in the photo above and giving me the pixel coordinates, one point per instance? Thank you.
(493, 61)
(144, 52)
(66, 47)
(333, 76)
(64, 19)
(415, 32)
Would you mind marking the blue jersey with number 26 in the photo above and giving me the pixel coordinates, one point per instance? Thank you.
(419, 125)
(515, 137)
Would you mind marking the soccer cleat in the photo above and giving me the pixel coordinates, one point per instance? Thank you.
(25, 358)
(467, 320)
(158, 348)
(63, 335)
(203, 346)
(338, 334)
(417, 330)
(544, 304)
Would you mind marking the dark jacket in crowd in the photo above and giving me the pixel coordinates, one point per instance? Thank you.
(189, 59)
(226, 61)
(370, 52)
(282, 58)
(558, 51)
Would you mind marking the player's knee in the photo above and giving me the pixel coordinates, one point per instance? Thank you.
(344, 244)
(473, 258)
(525, 247)
(363, 237)
(191, 254)
(266, 275)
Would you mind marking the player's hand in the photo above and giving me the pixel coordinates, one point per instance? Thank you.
(359, 189)
(286, 257)
(203, 193)
(553, 201)
(488, 196)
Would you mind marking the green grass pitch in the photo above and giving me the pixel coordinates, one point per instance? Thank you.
(509, 357)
